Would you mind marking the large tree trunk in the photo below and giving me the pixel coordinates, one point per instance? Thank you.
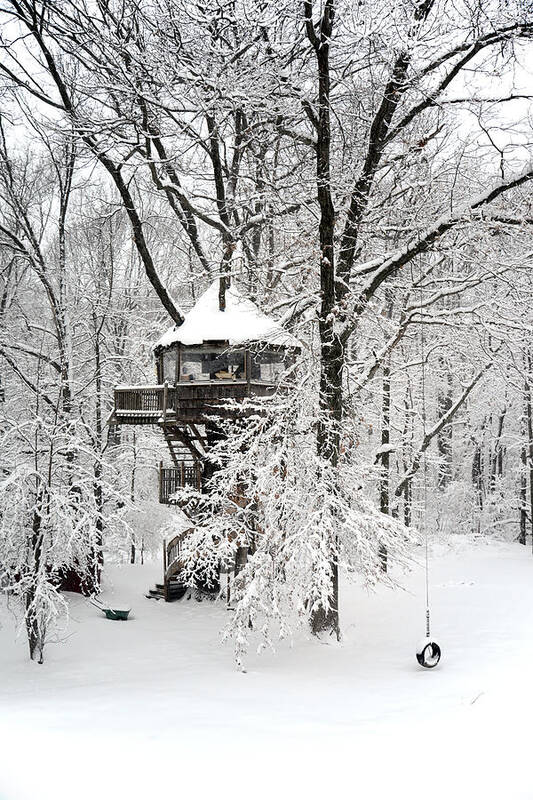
(331, 349)
(98, 561)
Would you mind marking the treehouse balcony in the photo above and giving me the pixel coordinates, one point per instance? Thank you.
(185, 402)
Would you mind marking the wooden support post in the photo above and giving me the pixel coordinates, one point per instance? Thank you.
(199, 437)
(182, 473)
(165, 569)
(165, 401)
(248, 369)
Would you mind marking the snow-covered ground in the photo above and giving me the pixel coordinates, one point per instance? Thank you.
(130, 710)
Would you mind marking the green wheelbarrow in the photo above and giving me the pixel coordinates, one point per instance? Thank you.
(110, 613)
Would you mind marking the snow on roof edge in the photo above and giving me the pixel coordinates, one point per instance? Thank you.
(242, 322)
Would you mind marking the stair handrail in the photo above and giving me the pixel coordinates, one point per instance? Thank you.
(169, 546)
(172, 565)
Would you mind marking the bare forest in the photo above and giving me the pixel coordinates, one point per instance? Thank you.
(361, 174)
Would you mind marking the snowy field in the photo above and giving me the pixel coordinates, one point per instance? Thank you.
(128, 710)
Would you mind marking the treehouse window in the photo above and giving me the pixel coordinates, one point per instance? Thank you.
(212, 364)
(169, 365)
(268, 365)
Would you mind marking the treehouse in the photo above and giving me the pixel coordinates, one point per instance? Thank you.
(225, 350)
(214, 356)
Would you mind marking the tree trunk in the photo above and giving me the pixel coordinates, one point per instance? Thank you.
(34, 627)
(496, 466)
(444, 439)
(407, 496)
(384, 486)
(529, 428)
(523, 492)
(35, 638)
(331, 347)
(477, 467)
(132, 493)
(97, 472)
(241, 557)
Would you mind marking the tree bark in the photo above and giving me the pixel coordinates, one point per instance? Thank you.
(529, 428)
(133, 550)
(384, 486)
(522, 494)
(444, 438)
(477, 472)
(34, 627)
(331, 349)
(98, 471)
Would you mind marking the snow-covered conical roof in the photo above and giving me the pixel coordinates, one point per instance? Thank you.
(241, 322)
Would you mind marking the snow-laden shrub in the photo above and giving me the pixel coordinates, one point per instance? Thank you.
(54, 510)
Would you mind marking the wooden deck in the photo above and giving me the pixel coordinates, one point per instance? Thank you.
(190, 402)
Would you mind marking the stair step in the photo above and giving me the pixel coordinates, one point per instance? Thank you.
(174, 586)
(175, 590)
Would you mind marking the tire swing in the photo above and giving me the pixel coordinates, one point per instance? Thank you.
(428, 652)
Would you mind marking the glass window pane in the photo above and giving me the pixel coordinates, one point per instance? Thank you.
(169, 365)
(213, 364)
(191, 365)
(268, 365)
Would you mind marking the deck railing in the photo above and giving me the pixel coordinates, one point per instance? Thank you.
(148, 399)
(188, 473)
(146, 404)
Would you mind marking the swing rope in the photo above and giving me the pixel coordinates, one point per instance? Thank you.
(428, 654)
(424, 484)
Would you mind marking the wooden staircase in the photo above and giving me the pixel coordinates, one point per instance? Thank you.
(178, 451)
(186, 447)
(173, 587)
(184, 441)
(174, 590)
